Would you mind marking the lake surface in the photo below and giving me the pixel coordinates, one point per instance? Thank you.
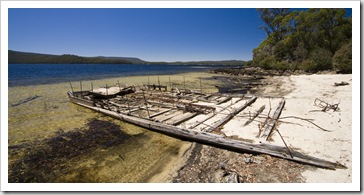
(35, 74)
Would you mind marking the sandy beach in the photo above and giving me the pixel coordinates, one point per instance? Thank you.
(330, 139)
(334, 145)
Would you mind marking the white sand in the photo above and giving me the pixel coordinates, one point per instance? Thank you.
(301, 135)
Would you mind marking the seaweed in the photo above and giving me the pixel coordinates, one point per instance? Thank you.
(25, 100)
(45, 160)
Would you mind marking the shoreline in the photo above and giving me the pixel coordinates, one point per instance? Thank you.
(195, 158)
(32, 124)
(298, 91)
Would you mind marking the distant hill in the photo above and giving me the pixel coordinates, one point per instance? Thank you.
(133, 60)
(222, 62)
(17, 57)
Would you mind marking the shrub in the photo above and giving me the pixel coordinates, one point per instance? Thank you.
(342, 59)
(282, 65)
(268, 62)
(308, 65)
(322, 59)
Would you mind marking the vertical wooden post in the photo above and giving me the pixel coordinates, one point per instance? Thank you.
(146, 103)
(159, 84)
(107, 94)
(170, 83)
(184, 83)
(92, 87)
(71, 86)
(127, 100)
(119, 86)
(200, 85)
(81, 89)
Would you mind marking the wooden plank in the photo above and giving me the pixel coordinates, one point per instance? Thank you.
(212, 115)
(220, 141)
(271, 123)
(159, 113)
(260, 110)
(184, 118)
(231, 115)
(224, 100)
(170, 116)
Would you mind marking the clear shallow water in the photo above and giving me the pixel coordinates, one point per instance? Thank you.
(35, 74)
(31, 124)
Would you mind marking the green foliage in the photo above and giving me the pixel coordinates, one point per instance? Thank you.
(268, 62)
(282, 65)
(300, 53)
(342, 59)
(308, 65)
(306, 39)
(322, 59)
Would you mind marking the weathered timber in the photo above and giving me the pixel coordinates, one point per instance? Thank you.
(260, 110)
(184, 118)
(271, 123)
(209, 116)
(159, 113)
(184, 105)
(342, 83)
(25, 100)
(224, 100)
(231, 115)
(220, 141)
(171, 115)
(155, 87)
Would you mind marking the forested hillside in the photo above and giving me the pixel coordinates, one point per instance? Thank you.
(16, 57)
(309, 40)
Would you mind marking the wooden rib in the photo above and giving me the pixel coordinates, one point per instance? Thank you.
(185, 118)
(212, 115)
(272, 121)
(224, 100)
(260, 110)
(231, 115)
(159, 113)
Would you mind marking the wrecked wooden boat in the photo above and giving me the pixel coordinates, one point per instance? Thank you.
(190, 115)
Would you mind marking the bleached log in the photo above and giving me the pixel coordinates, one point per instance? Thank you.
(230, 116)
(271, 123)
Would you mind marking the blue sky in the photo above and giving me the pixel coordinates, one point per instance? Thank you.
(150, 34)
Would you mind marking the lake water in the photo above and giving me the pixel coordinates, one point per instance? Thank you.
(34, 74)
(46, 132)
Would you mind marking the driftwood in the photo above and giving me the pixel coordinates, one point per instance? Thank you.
(342, 83)
(220, 141)
(260, 110)
(25, 100)
(232, 178)
(271, 123)
(160, 113)
(184, 118)
(231, 115)
(326, 106)
(209, 116)
(224, 100)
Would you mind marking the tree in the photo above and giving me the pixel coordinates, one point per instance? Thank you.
(306, 39)
(276, 26)
(342, 59)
